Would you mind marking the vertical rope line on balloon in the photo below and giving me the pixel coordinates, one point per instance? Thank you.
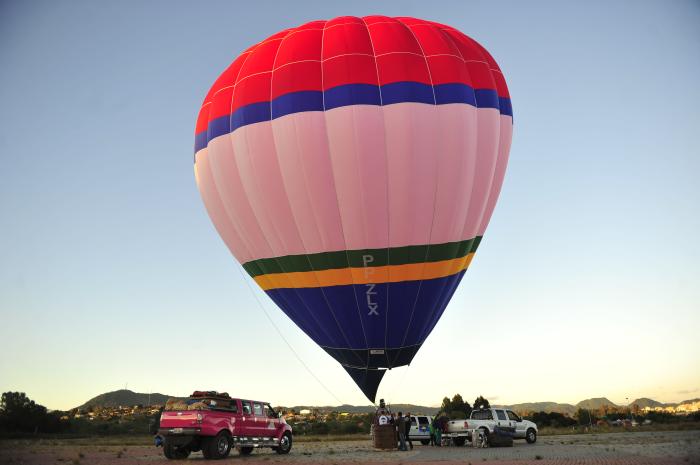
(335, 191)
(255, 215)
(481, 51)
(428, 321)
(432, 221)
(483, 218)
(388, 218)
(298, 357)
(320, 288)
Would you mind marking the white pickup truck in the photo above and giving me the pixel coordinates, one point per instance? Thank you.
(486, 420)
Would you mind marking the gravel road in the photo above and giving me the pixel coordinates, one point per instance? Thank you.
(633, 448)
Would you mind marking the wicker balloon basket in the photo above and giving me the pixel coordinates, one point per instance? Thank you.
(384, 437)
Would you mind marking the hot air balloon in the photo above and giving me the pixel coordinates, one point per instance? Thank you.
(351, 166)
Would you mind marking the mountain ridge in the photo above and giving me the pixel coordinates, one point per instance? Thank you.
(125, 397)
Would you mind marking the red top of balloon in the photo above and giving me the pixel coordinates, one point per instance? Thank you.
(320, 56)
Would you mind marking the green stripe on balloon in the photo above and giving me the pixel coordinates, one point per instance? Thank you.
(361, 258)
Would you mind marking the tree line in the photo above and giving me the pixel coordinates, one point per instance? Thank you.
(20, 414)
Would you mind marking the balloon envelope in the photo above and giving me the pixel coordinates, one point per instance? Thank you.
(352, 166)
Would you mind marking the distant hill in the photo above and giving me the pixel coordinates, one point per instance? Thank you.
(414, 409)
(644, 402)
(125, 397)
(595, 403)
(566, 409)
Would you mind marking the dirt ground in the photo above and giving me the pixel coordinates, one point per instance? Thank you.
(634, 448)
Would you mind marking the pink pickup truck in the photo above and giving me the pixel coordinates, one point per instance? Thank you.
(214, 423)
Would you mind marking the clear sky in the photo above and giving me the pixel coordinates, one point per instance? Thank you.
(587, 281)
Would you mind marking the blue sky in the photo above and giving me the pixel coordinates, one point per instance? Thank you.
(112, 273)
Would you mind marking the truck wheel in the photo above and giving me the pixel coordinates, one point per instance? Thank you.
(285, 444)
(217, 447)
(175, 453)
(458, 441)
(485, 433)
(245, 450)
(425, 442)
(531, 436)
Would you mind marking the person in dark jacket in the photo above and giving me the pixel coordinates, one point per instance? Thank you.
(401, 428)
(408, 430)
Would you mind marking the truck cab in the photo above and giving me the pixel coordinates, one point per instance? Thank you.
(215, 422)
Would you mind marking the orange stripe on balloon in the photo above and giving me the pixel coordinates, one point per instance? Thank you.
(367, 275)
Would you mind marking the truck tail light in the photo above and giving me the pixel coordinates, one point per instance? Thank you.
(466, 425)
(199, 418)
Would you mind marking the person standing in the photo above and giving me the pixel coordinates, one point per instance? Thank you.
(438, 432)
(401, 427)
(408, 430)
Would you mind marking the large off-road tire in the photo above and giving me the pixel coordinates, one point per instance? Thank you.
(245, 450)
(425, 442)
(175, 453)
(218, 447)
(285, 444)
(531, 436)
(458, 441)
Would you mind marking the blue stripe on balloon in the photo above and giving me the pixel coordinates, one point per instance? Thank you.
(200, 140)
(352, 94)
(505, 106)
(402, 92)
(250, 114)
(347, 325)
(296, 102)
(218, 127)
(454, 93)
(486, 98)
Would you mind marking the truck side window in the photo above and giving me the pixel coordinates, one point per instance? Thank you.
(269, 411)
(513, 416)
(413, 421)
(234, 406)
(257, 408)
(501, 414)
(247, 410)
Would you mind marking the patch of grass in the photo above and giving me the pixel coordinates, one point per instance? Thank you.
(75, 461)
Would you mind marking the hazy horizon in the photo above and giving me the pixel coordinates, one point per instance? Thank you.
(112, 273)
